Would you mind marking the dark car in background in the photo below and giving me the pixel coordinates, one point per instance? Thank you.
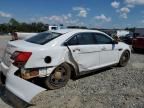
(127, 39)
(138, 43)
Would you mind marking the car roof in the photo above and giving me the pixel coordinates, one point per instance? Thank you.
(63, 31)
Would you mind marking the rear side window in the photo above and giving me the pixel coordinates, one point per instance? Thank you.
(43, 38)
(73, 41)
(82, 39)
(102, 39)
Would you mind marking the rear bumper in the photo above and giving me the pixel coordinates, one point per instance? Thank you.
(19, 87)
(12, 99)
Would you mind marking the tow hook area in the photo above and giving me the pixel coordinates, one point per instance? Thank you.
(29, 74)
(33, 73)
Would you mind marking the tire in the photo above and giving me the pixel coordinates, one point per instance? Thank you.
(59, 77)
(124, 59)
(1, 79)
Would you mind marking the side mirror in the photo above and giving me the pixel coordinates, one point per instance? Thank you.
(65, 44)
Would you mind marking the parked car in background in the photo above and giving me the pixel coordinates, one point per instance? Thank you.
(127, 39)
(122, 33)
(20, 35)
(138, 43)
(58, 56)
(23, 35)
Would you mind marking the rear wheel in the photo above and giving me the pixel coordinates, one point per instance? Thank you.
(59, 77)
(124, 59)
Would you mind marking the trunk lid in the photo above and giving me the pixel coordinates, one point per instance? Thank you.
(13, 46)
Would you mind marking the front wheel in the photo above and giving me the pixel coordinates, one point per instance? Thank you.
(59, 77)
(124, 59)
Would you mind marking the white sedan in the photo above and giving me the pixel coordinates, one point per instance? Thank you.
(58, 56)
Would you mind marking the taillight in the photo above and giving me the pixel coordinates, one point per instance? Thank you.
(20, 58)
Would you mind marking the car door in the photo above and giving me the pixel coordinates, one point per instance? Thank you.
(109, 50)
(85, 51)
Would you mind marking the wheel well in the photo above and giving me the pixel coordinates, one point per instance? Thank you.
(128, 51)
(73, 71)
(123, 52)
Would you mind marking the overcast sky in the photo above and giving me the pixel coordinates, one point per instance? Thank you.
(92, 13)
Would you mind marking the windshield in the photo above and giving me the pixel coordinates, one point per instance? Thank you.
(43, 38)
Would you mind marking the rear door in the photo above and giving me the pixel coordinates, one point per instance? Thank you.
(108, 50)
(85, 51)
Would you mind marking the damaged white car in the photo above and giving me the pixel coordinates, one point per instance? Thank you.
(57, 56)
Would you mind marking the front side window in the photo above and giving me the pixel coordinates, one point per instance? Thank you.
(86, 39)
(43, 38)
(102, 39)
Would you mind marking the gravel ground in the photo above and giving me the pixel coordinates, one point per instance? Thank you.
(111, 88)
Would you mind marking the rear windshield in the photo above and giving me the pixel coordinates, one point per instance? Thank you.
(43, 38)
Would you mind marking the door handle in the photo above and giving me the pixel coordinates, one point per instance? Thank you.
(77, 49)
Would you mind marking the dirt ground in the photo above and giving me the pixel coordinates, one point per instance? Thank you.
(110, 88)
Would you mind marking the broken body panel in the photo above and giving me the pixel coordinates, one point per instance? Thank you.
(19, 86)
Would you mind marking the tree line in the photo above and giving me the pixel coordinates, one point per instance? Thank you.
(15, 26)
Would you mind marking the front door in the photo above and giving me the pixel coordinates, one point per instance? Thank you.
(85, 51)
(109, 50)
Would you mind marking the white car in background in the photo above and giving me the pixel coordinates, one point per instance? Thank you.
(57, 56)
